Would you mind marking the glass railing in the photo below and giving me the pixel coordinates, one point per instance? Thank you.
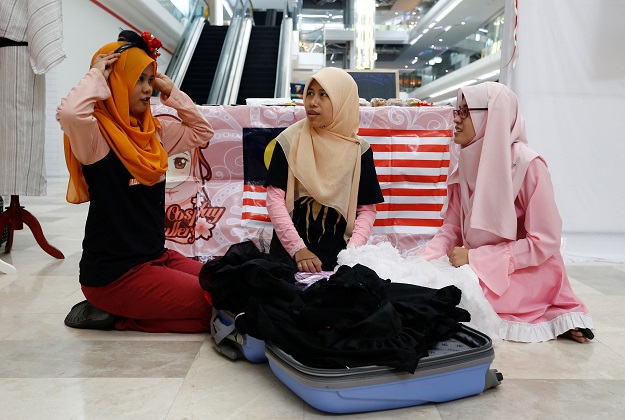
(183, 10)
(312, 40)
(483, 43)
(401, 20)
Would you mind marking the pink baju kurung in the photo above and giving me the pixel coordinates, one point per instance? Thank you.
(524, 280)
(501, 206)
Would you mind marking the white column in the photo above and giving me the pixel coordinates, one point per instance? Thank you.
(216, 12)
(364, 35)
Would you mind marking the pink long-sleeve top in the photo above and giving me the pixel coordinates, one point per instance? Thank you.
(538, 233)
(75, 115)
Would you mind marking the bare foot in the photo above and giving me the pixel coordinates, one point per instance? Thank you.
(575, 334)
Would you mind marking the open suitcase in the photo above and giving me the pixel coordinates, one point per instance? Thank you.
(455, 368)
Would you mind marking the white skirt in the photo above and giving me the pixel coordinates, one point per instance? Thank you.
(22, 125)
(387, 262)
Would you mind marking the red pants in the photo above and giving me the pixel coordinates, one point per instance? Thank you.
(163, 295)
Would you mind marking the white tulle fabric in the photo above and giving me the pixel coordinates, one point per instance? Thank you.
(387, 262)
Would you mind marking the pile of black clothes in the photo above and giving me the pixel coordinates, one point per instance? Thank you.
(352, 319)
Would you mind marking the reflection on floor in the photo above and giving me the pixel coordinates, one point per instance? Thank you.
(49, 371)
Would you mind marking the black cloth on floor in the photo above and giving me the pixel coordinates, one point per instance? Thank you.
(243, 274)
(352, 319)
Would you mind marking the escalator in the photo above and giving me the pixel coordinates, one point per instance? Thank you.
(261, 62)
(227, 64)
(199, 75)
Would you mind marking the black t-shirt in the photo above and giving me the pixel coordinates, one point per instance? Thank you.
(321, 227)
(125, 223)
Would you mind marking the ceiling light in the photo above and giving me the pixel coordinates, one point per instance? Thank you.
(414, 41)
(483, 30)
(442, 92)
(447, 28)
(447, 10)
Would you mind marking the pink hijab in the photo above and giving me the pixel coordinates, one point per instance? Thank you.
(491, 169)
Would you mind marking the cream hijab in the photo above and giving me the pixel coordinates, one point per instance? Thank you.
(324, 163)
(491, 169)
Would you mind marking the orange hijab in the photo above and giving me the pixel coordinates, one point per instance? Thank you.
(133, 140)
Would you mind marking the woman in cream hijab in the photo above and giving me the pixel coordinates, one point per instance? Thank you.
(322, 186)
(501, 219)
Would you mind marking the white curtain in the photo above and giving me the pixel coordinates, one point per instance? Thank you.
(567, 66)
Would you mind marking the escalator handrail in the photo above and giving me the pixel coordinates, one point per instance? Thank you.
(283, 69)
(227, 76)
(179, 64)
(222, 72)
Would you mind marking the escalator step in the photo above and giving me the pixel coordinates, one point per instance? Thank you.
(199, 77)
(261, 62)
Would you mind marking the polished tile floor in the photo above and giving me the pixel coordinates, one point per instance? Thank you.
(49, 371)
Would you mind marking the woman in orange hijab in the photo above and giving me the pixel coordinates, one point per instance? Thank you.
(116, 153)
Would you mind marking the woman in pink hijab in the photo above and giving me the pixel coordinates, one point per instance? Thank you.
(501, 219)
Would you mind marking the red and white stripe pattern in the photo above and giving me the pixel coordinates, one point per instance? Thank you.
(412, 168)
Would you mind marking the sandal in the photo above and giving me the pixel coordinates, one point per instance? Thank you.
(86, 316)
(586, 332)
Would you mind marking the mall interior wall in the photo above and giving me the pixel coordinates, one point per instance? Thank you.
(569, 75)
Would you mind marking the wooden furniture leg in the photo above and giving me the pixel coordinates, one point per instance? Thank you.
(15, 216)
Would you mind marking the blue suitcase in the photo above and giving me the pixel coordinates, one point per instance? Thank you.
(454, 368)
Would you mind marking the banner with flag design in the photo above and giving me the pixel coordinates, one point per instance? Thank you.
(411, 148)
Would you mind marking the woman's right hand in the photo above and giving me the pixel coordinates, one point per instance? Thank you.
(307, 261)
(104, 63)
(458, 256)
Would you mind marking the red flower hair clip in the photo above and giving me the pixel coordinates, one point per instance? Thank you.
(153, 44)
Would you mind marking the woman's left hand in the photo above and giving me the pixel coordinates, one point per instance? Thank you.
(458, 256)
(307, 261)
(163, 84)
